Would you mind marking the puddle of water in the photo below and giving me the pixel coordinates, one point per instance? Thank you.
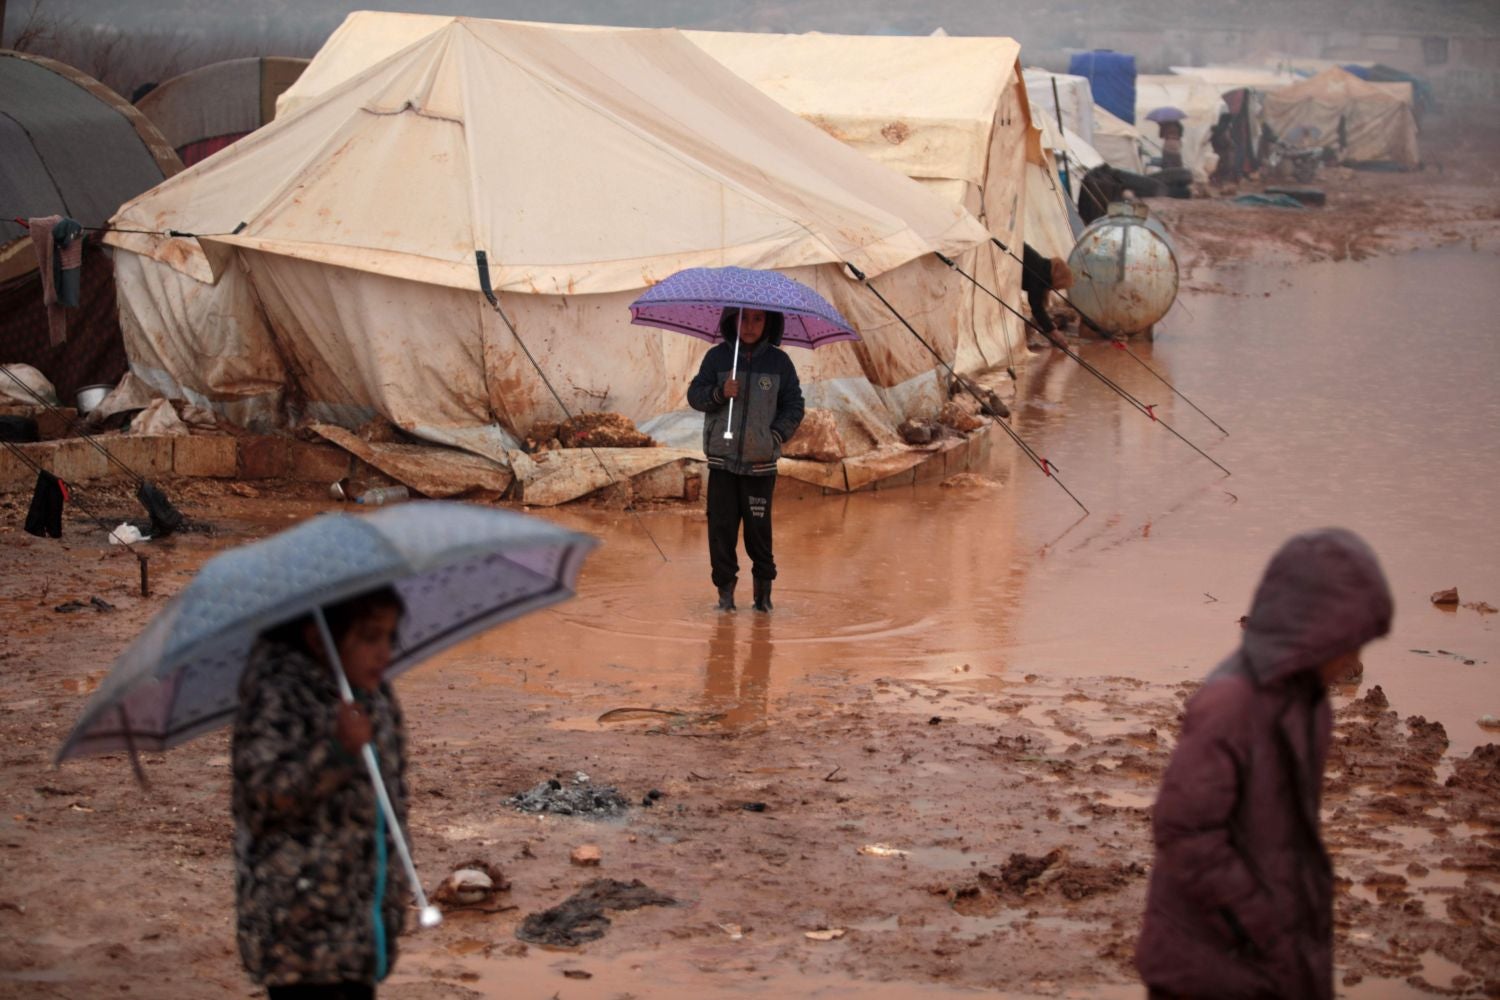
(1337, 417)
(727, 969)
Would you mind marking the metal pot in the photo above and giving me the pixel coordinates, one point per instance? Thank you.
(90, 396)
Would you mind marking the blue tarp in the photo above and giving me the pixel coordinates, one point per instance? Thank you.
(1422, 98)
(1111, 76)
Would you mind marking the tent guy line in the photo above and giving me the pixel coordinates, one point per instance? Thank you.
(139, 232)
(1117, 342)
(482, 263)
(1048, 468)
(1149, 409)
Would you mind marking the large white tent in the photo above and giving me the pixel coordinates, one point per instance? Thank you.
(335, 274)
(948, 112)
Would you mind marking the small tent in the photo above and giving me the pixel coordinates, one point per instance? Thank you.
(1045, 88)
(1376, 126)
(71, 147)
(1117, 141)
(336, 272)
(202, 111)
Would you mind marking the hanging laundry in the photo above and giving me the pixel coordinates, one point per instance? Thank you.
(44, 518)
(58, 242)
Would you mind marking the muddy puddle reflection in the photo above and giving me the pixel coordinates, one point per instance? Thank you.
(1359, 394)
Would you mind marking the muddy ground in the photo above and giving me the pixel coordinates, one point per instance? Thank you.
(953, 830)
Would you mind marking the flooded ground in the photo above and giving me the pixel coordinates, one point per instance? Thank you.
(1356, 394)
(928, 773)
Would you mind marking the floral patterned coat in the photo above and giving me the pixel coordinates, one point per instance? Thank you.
(311, 850)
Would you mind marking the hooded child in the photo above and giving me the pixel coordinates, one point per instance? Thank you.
(1241, 897)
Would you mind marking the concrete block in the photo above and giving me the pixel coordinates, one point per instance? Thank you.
(205, 457)
(665, 482)
(907, 478)
(72, 460)
(54, 424)
(150, 456)
(260, 456)
(933, 469)
(317, 463)
(14, 473)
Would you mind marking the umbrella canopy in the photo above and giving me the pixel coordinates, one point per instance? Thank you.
(692, 301)
(1166, 114)
(460, 569)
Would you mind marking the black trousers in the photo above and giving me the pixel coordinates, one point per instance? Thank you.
(733, 500)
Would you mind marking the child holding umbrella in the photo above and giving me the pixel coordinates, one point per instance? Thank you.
(751, 402)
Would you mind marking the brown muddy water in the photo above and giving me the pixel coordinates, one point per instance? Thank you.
(1355, 394)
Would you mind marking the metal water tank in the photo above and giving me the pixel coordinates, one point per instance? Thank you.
(1124, 270)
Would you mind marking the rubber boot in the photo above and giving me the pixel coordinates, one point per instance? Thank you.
(762, 595)
(726, 598)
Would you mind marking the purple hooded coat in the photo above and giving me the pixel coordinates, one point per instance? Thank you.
(1241, 897)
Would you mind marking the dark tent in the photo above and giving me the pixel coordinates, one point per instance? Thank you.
(72, 147)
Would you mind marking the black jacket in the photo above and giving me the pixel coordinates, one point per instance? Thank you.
(766, 413)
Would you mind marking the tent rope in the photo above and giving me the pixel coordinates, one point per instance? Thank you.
(1148, 409)
(1048, 468)
(481, 260)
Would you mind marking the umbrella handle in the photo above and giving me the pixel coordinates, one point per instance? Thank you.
(430, 915)
(734, 367)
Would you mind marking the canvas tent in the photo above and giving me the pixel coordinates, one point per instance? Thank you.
(202, 111)
(1118, 142)
(337, 275)
(941, 110)
(947, 111)
(72, 147)
(1378, 126)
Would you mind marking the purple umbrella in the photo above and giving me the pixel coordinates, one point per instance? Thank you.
(692, 301)
(1166, 114)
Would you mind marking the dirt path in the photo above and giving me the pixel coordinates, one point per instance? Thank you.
(1003, 825)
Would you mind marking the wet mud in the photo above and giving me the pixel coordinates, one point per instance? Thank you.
(929, 773)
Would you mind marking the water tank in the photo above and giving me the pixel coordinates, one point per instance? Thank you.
(1124, 270)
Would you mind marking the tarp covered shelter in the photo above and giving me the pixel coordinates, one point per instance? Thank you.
(205, 109)
(1198, 99)
(335, 272)
(1377, 126)
(68, 146)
